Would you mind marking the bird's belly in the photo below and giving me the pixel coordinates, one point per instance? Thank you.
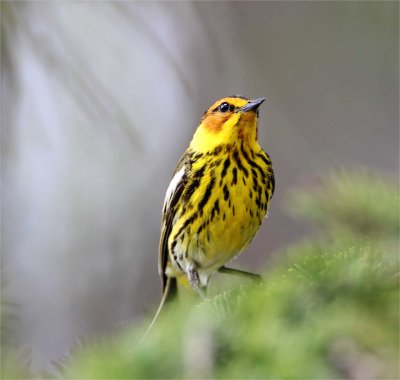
(223, 241)
(219, 236)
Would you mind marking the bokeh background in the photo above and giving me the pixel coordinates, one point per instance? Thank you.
(100, 99)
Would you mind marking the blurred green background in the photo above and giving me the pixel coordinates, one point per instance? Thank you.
(100, 99)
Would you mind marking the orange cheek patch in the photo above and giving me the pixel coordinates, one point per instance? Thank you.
(214, 123)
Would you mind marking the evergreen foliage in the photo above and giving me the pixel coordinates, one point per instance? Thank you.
(328, 309)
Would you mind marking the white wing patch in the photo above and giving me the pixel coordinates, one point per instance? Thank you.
(172, 187)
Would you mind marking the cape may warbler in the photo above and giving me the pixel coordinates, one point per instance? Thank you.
(218, 196)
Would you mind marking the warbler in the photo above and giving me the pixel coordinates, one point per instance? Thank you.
(218, 196)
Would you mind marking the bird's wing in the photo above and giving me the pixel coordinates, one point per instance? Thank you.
(171, 203)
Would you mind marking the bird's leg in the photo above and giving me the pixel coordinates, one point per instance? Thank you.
(237, 272)
(194, 281)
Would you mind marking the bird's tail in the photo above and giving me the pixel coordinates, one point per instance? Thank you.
(168, 295)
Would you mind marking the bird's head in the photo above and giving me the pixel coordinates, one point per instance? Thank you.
(229, 121)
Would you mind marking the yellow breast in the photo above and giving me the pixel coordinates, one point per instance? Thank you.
(219, 216)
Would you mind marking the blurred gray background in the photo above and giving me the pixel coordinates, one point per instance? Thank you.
(100, 99)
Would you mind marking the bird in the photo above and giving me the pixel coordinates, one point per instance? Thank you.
(217, 199)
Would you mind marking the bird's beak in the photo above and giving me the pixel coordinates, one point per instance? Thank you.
(252, 105)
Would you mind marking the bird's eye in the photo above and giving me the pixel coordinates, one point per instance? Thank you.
(224, 107)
